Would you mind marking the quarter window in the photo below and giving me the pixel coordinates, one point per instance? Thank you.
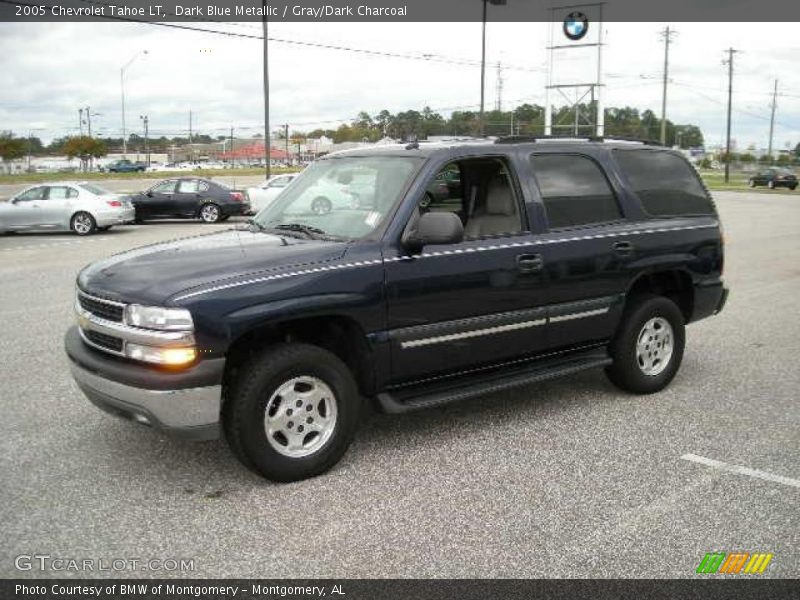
(664, 182)
(574, 190)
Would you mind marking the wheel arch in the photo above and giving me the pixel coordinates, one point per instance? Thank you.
(675, 284)
(341, 335)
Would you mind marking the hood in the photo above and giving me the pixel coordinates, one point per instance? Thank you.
(152, 274)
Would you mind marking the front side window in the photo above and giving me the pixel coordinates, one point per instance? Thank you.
(346, 197)
(574, 190)
(36, 193)
(664, 182)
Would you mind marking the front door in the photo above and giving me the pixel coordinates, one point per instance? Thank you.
(159, 200)
(477, 302)
(27, 212)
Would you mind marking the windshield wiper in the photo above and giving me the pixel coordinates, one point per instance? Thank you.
(308, 230)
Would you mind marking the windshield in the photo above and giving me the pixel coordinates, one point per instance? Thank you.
(340, 197)
(94, 189)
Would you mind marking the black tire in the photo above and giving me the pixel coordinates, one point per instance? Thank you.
(321, 205)
(209, 213)
(82, 223)
(793, 187)
(249, 398)
(626, 371)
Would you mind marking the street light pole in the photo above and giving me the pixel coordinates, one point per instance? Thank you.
(146, 141)
(483, 59)
(122, 93)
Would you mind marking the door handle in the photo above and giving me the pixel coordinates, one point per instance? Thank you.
(529, 263)
(623, 248)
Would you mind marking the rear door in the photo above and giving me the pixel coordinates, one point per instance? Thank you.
(187, 196)
(586, 249)
(56, 207)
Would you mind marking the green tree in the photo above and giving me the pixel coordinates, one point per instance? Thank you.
(85, 148)
(11, 148)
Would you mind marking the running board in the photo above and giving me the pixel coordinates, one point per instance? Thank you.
(422, 396)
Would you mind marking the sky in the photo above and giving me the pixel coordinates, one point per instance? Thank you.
(48, 71)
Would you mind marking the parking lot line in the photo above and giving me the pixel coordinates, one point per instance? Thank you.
(740, 470)
(53, 244)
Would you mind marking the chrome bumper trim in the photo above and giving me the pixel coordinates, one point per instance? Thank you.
(171, 409)
(135, 335)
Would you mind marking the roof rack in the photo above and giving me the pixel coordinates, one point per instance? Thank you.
(522, 139)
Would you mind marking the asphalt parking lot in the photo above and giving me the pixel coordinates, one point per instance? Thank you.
(569, 478)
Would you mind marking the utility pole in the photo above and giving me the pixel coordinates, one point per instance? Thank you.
(286, 140)
(231, 146)
(80, 120)
(483, 59)
(265, 61)
(667, 35)
(191, 150)
(772, 119)
(89, 121)
(731, 52)
(498, 103)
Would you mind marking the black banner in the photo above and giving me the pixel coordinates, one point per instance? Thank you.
(390, 589)
(781, 12)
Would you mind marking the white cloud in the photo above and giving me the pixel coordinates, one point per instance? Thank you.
(48, 71)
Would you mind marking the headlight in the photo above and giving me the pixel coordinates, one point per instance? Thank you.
(156, 317)
(160, 356)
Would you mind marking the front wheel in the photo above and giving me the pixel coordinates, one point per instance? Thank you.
(210, 213)
(648, 347)
(292, 412)
(83, 223)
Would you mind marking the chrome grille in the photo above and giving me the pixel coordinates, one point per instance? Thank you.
(110, 311)
(108, 342)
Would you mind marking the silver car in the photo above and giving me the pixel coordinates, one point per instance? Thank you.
(66, 205)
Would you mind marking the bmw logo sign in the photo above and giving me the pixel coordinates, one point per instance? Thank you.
(576, 25)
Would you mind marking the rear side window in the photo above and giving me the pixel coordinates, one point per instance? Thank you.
(664, 182)
(574, 190)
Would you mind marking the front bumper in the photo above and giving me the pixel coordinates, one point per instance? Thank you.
(186, 403)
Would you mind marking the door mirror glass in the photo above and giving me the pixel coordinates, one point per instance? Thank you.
(434, 228)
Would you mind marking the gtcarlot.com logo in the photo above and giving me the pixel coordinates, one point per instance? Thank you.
(46, 562)
(734, 563)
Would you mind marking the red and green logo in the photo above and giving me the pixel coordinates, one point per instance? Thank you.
(734, 563)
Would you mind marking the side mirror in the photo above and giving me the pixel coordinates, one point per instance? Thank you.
(434, 228)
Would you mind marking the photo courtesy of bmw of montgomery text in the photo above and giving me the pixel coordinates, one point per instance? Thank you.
(462, 269)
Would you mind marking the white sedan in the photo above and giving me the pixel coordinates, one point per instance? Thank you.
(262, 195)
(81, 207)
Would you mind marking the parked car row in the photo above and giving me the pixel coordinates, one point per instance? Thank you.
(85, 208)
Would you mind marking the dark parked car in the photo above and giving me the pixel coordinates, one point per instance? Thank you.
(192, 198)
(547, 258)
(773, 178)
(125, 166)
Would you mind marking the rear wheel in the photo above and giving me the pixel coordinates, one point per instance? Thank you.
(648, 347)
(292, 412)
(321, 206)
(210, 213)
(83, 223)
